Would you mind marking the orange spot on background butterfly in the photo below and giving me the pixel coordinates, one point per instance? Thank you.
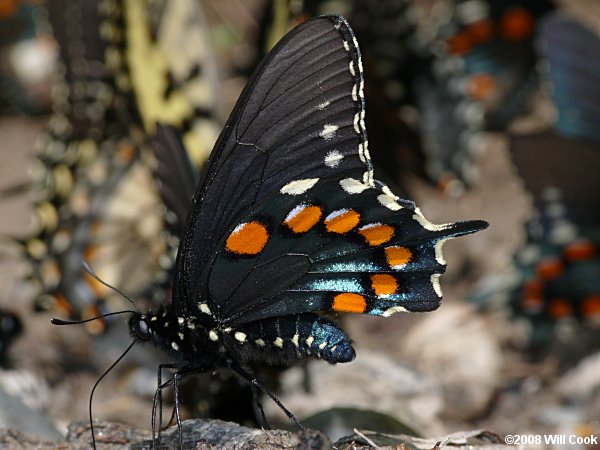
(516, 24)
(481, 31)
(532, 305)
(95, 326)
(580, 250)
(304, 219)
(125, 153)
(377, 234)
(459, 44)
(384, 284)
(559, 308)
(349, 302)
(62, 305)
(8, 8)
(549, 268)
(590, 307)
(398, 256)
(97, 288)
(247, 238)
(481, 86)
(342, 221)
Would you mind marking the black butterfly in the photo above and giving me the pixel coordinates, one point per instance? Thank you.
(287, 222)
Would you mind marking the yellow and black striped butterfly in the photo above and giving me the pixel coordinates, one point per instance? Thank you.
(125, 65)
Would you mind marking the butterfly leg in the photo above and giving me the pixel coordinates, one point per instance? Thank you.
(257, 384)
(258, 409)
(157, 401)
(176, 379)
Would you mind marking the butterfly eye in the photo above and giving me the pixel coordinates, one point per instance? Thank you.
(142, 331)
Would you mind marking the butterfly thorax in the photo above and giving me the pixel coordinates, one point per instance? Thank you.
(183, 338)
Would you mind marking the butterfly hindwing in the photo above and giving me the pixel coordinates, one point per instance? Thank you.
(366, 252)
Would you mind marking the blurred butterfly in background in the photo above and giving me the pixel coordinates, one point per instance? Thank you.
(482, 76)
(288, 223)
(557, 282)
(94, 173)
(27, 56)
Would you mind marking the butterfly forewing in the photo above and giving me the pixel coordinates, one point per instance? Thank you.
(299, 119)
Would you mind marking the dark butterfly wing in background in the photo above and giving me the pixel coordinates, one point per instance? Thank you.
(572, 68)
(482, 77)
(296, 139)
(558, 270)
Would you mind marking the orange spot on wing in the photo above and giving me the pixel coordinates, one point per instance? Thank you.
(559, 308)
(580, 250)
(349, 302)
(342, 221)
(304, 219)
(591, 307)
(550, 268)
(516, 24)
(398, 256)
(377, 234)
(248, 238)
(384, 284)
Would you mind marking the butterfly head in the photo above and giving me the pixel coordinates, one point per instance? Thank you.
(139, 327)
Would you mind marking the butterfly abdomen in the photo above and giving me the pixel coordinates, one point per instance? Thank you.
(287, 339)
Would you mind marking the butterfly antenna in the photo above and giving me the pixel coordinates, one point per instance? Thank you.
(112, 366)
(93, 274)
(55, 321)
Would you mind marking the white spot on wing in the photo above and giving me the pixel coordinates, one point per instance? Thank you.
(346, 46)
(212, 334)
(351, 67)
(323, 105)
(333, 158)
(322, 345)
(353, 186)
(388, 191)
(175, 346)
(259, 342)
(393, 310)
(310, 340)
(239, 336)
(295, 340)
(298, 187)
(388, 202)
(278, 342)
(328, 131)
(418, 216)
(435, 281)
(439, 256)
(204, 308)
